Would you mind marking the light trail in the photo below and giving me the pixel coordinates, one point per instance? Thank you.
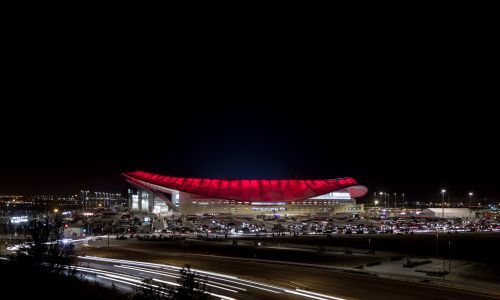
(104, 272)
(319, 295)
(118, 280)
(213, 294)
(136, 281)
(304, 295)
(209, 282)
(227, 278)
(212, 278)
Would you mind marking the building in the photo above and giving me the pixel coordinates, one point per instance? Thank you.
(92, 199)
(448, 213)
(164, 195)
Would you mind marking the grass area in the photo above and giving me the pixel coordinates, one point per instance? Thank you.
(479, 247)
(411, 263)
(433, 272)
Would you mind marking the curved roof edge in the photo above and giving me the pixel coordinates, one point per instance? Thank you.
(356, 191)
(250, 189)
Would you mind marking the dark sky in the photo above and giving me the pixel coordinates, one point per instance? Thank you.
(413, 146)
(413, 119)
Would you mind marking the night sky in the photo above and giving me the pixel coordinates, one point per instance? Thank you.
(411, 127)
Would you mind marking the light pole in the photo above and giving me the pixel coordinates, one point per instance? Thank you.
(381, 194)
(443, 191)
(403, 200)
(437, 242)
(449, 256)
(81, 199)
(87, 198)
(470, 204)
(395, 200)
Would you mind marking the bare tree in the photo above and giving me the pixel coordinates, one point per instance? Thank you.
(150, 291)
(47, 249)
(190, 286)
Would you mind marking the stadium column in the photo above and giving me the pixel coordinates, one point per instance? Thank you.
(139, 198)
(151, 201)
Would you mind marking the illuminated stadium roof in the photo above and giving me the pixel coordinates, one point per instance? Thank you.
(249, 189)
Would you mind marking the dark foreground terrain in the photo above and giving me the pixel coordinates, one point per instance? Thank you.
(31, 283)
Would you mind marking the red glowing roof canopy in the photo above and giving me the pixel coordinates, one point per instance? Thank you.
(247, 189)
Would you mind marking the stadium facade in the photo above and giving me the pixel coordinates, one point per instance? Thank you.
(167, 195)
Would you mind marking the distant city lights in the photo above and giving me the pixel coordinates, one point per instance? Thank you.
(17, 220)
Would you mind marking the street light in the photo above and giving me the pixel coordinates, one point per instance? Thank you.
(381, 194)
(442, 202)
(470, 204)
(87, 199)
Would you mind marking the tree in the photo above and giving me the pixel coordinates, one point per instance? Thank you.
(47, 249)
(150, 291)
(191, 286)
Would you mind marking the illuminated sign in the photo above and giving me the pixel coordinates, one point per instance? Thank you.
(334, 195)
(268, 208)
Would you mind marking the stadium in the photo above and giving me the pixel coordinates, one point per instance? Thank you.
(167, 195)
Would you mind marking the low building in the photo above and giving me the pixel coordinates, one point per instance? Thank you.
(448, 213)
(73, 232)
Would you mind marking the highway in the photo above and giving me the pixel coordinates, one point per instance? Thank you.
(338, 285)
(127, 275)
(242, 278)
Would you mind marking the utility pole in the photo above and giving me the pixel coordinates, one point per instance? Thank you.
(470, 205)
(444, 262)
(449, 256)
(437, 243)
(443, 191)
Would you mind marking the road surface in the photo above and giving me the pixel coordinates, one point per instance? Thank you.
(266, 280)
(127, 275)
